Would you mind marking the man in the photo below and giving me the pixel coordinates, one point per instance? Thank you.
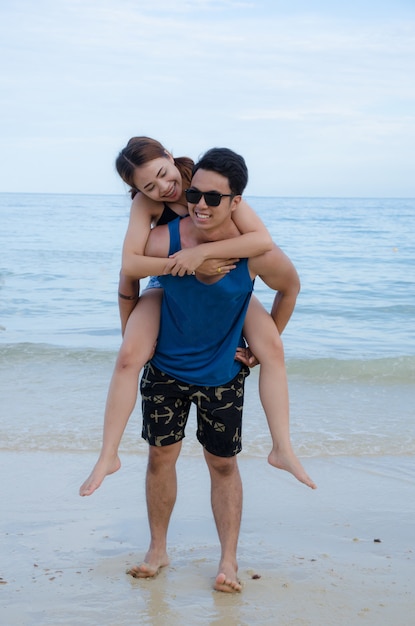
(194, 362)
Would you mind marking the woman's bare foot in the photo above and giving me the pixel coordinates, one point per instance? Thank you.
(103, 467)
(150, 567)
(290, 463)
(227, 580)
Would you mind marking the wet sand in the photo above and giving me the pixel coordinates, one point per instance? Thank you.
(341, 555)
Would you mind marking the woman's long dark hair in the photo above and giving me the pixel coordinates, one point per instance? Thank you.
(141, 150)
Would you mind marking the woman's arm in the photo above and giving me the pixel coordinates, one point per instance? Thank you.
(143, 212)
(135, 265)
(253, 240)
(128, 293)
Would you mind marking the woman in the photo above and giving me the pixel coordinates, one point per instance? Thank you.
(158, 183)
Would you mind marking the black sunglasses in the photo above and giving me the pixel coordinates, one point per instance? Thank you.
(212, 198)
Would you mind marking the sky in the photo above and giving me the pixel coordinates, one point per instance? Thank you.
(317, 95)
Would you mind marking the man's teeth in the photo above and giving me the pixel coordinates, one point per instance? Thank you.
(201, 216)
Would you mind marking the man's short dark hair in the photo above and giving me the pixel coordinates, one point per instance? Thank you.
(226, 162)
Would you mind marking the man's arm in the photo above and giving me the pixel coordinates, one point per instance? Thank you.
(279, 273)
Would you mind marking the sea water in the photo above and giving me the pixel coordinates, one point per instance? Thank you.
(350, 344)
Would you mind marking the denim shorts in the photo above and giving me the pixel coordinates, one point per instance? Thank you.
(153, 283)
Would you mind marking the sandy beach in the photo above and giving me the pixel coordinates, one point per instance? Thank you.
(341, 555)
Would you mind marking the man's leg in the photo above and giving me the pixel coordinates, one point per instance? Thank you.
(226, 498)
(161, 491)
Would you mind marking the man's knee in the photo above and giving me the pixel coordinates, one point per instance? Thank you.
(223, 466)
(161, 458)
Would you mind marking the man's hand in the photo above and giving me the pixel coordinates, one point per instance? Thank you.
(213, 267)
(245, 356)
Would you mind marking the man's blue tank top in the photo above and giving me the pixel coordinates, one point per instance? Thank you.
(201, 325)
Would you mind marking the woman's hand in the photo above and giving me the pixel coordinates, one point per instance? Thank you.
(245, 356)
(190, 260)
(186, 261)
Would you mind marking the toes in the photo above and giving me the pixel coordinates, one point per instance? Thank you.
(143, 571)
(226, 584)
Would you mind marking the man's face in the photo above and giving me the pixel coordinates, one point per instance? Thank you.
(210, 217)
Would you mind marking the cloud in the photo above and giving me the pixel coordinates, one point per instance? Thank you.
(84, 75)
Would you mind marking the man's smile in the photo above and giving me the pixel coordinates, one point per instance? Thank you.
(201, 216)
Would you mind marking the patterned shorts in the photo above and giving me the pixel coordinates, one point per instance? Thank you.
(166, 404)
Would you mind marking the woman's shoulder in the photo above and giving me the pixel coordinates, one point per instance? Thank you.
(142, 204)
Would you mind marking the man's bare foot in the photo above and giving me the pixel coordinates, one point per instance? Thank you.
(290, 463)
(227, 580)
(102, 468)
(150, 567)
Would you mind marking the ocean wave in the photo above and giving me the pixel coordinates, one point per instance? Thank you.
(53, 399)
(389, 370)
(306, 446)
(42, 352)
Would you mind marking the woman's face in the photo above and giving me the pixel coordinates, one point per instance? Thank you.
(159, 179)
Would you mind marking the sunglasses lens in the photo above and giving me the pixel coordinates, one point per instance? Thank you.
(212, 199)
(193, 196)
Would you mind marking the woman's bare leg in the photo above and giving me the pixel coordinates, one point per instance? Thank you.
(265, 343)
(136, 349)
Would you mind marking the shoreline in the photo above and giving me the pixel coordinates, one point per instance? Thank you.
(65, 556)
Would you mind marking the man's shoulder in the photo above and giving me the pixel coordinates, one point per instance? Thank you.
(187, 232)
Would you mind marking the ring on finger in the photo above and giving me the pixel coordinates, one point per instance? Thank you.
(219, 270)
